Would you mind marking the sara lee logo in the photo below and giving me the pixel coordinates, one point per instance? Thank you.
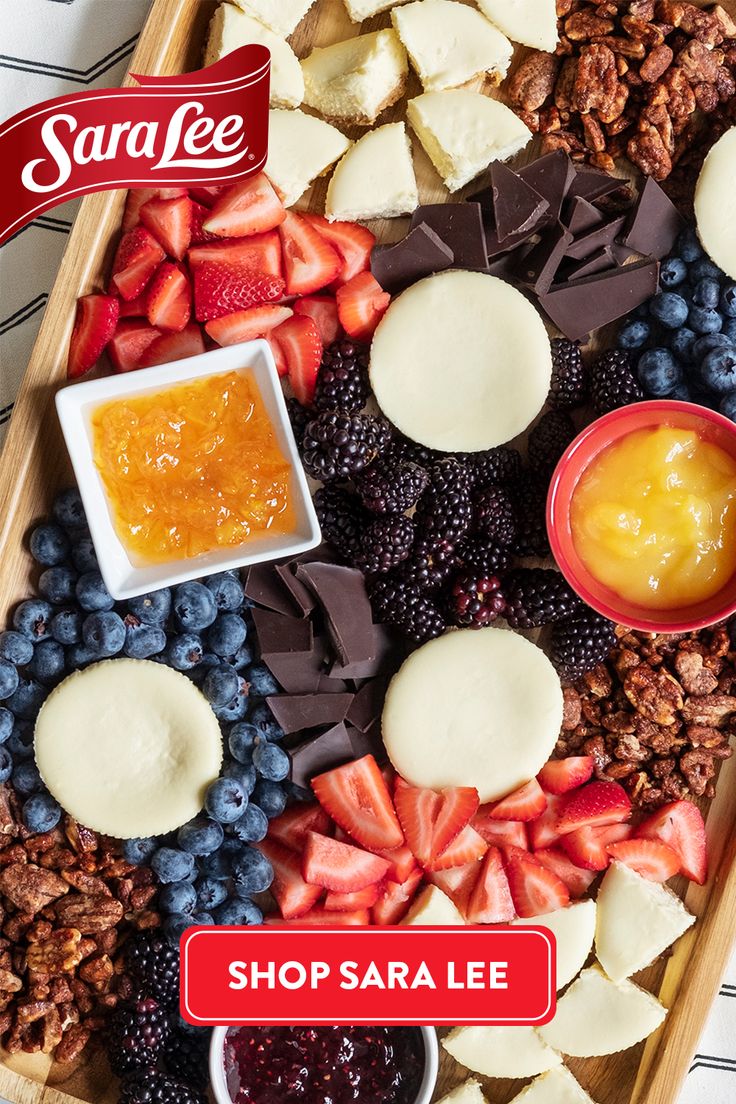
(206, 127)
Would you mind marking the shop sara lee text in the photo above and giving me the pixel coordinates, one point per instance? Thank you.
(372, 975)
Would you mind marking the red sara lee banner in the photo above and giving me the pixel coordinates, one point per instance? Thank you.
(425, 976)
(206, 127)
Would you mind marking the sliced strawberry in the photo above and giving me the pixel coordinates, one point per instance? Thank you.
(94, 324)
(393, 904)
(223, 288)
(534, 888)
(249, 207)
(137, 258)
(468, 846)
(561, 775)
(169, 298)
(170, 222)
(293, 896)
(543, 831)
(349, 902)
(526, 803)
(199, 234)
(361, 303)
(323, 918)
(134, 308)
(262, 252)
(459, 806)
(649, 857)
(588, 846)
(595, 804)
(207, 193)
(401, 860)
(356, 797)
(323, 310)
(490, 902)
(577, 880)
(352, 241)
(231, 329)
(292, 826)
(501, 833)
(418, 810)
(302, 348)
(680, 825)
(174, 346)
(340, 866)
(457, 882)
(310, 262)
(138, 196)
(129, 342)
(279, 358)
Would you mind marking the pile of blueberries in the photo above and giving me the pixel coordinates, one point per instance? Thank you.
(683, 341)
(208, 870)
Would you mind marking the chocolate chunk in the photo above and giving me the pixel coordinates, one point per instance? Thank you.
(264, 586)
(621, 253)
(591, 184)
(517, 207)
(278, 634)
(460, 227)
(340, 744)
(296, 712)
(367, 705)
(505, 264)
(388, 646)
(342, 594)
(654, 224)
(590, 243)
(537, 270)
(300, 672)
(302, 597)
(551, 177)
(583, 305)
(581, 216)
(417, 255)
(590, 266)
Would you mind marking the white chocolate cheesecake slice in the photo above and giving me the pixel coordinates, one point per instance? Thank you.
(450, 43)
(282, 16)
(557, 1086)
(463, 131)
(432, 906)
(469, 1092)
(501, 1051)
(357, 79)
(529, 22)
(230, 28)
(375, 178)
(573, 928)
(300, 148)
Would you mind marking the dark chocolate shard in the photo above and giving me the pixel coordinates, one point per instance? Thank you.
(297, 712)
(591, 184)
(367, 705)
(303, 598)
(587, 244)
(342, 594)
(421, 253)
(581, 216)
(551, 177)
(654, 224)
(278, 634)
(505, 264)
(300, 672)
(390, 649)
(580, 306)
(517, 207)
(621, 253)
(590, 266)
(460, 227)
(538, 269)
(484, 197)
(340, 744)
(264, 586)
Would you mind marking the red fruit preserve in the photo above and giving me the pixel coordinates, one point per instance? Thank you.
(324, 1065)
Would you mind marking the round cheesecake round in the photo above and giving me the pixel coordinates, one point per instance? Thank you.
(715, 203)
(128, 747)
(461, 362)
(473, 708)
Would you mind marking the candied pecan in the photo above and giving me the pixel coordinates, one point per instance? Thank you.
(596, 748)
(659, 117)
(9, 818)
(655, 695)
(570, 709)
(584, 25)
(562, 140)
(680, 96)
(142, 896)
(549, 120)
(702, 25)
(29, 887)
(642, 10)
(58, 858)
(622, 721)
(712, 711)
(82, 839)
(624, 47)
(599, 681)
(617, 771)
(565, 84)
(9, 983)
(30, 1011)
(625, 659)
(58, 954)
(596, 80)
(697, 63)
(146, 919)
(648, 152)
(726, 23)
(656, 63)
(39, 931)
(86, 883)
(59, 991)
(97, 972)
(563, 8)
(628, 747)
(594, 137)
(642, 30)
(530, 119)
(52, 1031)
(698, 767)
(534, 81)
(89, 913)
(73, 1043)
(725, 85)
(693, 674)
(15, 853)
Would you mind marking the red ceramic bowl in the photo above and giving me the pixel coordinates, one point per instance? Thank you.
(577, 458)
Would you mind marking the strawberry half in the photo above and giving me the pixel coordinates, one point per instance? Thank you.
(501, 833)
(199, 235)
(291, 827)
(417, 810)
(129, 342)
(393, 904)
(173, 346)
(361, 303)
(559, 776)
(459, 806)
(137, 258)
(223, 288)
(323, 918)
(169, 298)
(534, 888)
(543, 831)
(340, 866)
(94, 324)
(246, 325)
(649, 857)
(577, 880)
(262, 253)
(680, 825)
(526, 803)
(352, 241)
(310, 262)
(134, 308)
(587, 847)
(323, 310)
(135, 199)
(293, 895)
(348, 902)
(402, 863)
(170, 222)
(595, 804)
(457, 882)
(208, 194)
(301, 346)
(468, 846)
(250, 207)
(357, 798)
(490, 901)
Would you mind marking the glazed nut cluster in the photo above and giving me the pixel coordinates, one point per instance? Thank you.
(658, 715)
(67, 900)
(627, 79)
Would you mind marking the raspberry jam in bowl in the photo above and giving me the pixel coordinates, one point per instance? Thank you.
(641, 516)
(323, 1065)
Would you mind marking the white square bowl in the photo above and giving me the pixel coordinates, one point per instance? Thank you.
(123, 576)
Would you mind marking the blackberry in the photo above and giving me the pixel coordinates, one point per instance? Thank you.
(186, 1056)
(153, 965)
(613, 382)
(299, 417)
(136, 1036)
(580, 643)
(389, 488)
(151, 1087)
(529, 496)
(496, 465)
(340, 517)
(445, 510)
(398, 603)
(338, 445)
(428, 564)
(403, 450)
(538, 596)
(385, 542)
(494, 515)
(548, 440)
(569, 385)
(478, 554)
(342, 380)
(475, 600)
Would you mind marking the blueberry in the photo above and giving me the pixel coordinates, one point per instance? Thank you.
(271, 761)
(104, 632)
(68, 510)
(153, 608)
(143, 641)
(200, 836)
(16, 648)
(226, 589)
(729, 329)
(48, 663)
(184, 652)
(194, 607)
(220, 685)
(252, 826)
(688, 246)
(728, 405)
(210, 893)
(56, 584)
(704, 269)
(263, 720)
(41, 813)
(672, 273)
(202, 919)
(79, 655)
(252, 872)
(242, 740)
(707, 344)
(49, 545)
(682, 393)
(9, 679)
(227, 634)
(719, 370)
(171, 865)
(226, 800)
(32, 617)
(261, 681)
(236, 709)
(269, 796)
(27, 699)
(178, 897)
(705, 320)
(728, 300)
(216, 865)
(670, 309)
(84, 556)
(242, 773)
(6, 764)
(20, 743)
(238, 913)
(175, 926)
(242, 658)
(634, 334)
(139, 851)
(6, 724)
(27, 778)
(92, 594)
(658, 372)
(706, 292)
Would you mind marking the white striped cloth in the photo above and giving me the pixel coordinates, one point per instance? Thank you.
(53, 47)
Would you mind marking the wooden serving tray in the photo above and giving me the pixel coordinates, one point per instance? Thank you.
(34, 464)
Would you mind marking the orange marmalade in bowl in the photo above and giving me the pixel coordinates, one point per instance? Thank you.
(193, 468)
